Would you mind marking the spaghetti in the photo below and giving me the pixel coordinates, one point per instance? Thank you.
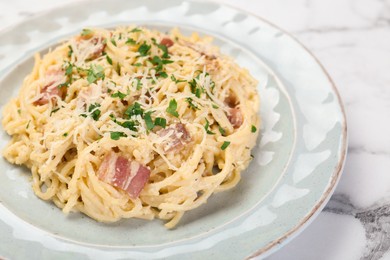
(132, 122)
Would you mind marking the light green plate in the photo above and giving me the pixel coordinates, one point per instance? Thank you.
(297, 162)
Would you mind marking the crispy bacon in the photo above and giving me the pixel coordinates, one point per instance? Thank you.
(51, 90)
(167, 42)
(178, 137)
(235, 117)
(120, 172)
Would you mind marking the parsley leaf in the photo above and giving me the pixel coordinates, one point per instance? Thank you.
(137, 64)
(225, 145)
(191, 104)
(162, 74)
(65, 134)
(221, 130)
(117, 135)
(171, 109)
(164, 48)
(109, 60)
(129, 125)
(113, 42)
(70, 52)
(144, 49)
(133, 110)
(130, 41)
(119, 95)
(173, 78)
(95, 72)
(160, 122)
(206, 127)
(95, 112)
(136, 30)
(86, 32)
(253, 129)
(137, 83)
(69, 69)
(54, 110)
(148, 120)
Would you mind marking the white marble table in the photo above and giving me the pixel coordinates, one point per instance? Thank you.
(352, 40)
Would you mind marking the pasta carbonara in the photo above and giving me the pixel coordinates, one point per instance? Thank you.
(133, 122)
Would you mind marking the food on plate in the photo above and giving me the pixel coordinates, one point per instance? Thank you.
(133, 122)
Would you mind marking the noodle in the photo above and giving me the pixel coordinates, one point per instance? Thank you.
(169, 114)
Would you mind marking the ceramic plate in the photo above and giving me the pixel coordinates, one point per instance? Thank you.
(297, 161)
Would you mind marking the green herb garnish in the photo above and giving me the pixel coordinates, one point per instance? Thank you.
(130, 41)
(253, 129)
(160, 122)
(191, 104)
(144, 49)
(171, 109)
(113, 42)
(133, 110)
(206, 127)
(109, 60)
(136, 30)
(148, 120)
(119, 95)
(95, 111)
(221, 130)
(94, 73)
(225, 145)
(86, 32)
(117, 135)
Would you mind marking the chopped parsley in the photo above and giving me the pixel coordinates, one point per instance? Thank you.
(95, 111)
(109, 60)
(148, 120)
(117, 135)
(65, 134)
(86, 32)
(113, 42)
(207, 128)
(136, 30)
(28, 124)
(162, 74)
(173, 78)
(164, 48)
(130, 124)
(119, 95)
(225, 145)
(137, 64)
(130, 41)
(221, 130)
(69, 69)
(133, 110)
(191, 104)
(171, 109)
(54, 110)
(137, 83)
(160, 122)
(94, 73)
(144, 49)
(70, 52)
(253, 129)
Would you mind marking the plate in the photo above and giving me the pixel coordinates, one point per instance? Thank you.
(297, 161)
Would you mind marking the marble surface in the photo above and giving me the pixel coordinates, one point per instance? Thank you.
(351, 38)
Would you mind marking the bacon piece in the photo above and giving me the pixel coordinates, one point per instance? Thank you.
(167, 42)
(235, 117)
(130, 176)
(178, 137)
(51, 89)
(96, 41)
